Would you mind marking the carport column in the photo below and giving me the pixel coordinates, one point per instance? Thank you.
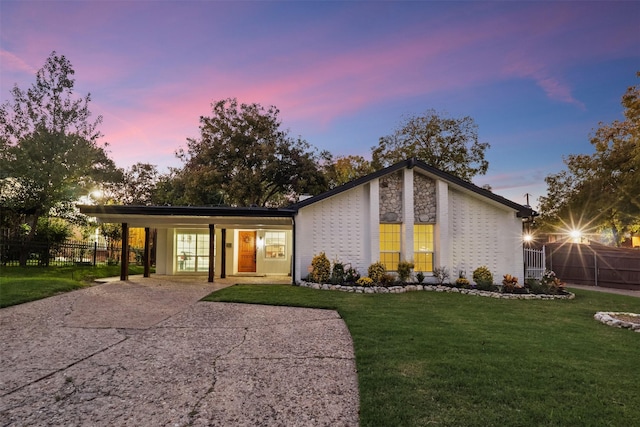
(223, 254)
(124, 255)
(147, 252)
(212, 251)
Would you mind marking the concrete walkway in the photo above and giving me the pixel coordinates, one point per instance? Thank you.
(147, 352)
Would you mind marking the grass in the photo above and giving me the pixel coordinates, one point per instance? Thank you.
(23, 284)
(443, 359)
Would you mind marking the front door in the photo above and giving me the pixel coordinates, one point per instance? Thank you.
(247, 252)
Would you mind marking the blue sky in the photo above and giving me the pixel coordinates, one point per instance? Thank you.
(537, 77)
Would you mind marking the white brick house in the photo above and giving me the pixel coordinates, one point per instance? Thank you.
(408, 211)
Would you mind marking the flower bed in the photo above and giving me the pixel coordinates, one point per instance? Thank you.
(434, 288)
(619, 320)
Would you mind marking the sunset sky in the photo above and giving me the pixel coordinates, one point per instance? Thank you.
(537, 77)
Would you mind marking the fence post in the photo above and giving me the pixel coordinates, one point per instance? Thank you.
(595, 266)
(95, 253)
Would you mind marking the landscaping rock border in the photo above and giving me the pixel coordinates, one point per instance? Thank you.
(608, 318)
(433, 288)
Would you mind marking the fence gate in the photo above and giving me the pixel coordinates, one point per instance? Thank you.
(534, 263)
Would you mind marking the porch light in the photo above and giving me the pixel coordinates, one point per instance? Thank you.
(528, 238)
(575, 235)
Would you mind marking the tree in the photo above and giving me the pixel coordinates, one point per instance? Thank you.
(448, 144)
(601, 191)
(138, 186)
(344, 169)
(243, 158)
(49, 154)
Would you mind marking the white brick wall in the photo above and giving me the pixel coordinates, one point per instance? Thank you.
(481, 233)
(337, 226)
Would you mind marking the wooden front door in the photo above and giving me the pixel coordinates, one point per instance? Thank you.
(247, 252)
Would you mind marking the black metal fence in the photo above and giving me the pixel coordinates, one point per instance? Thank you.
(38, 253)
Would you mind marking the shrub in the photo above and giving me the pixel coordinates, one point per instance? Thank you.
(441, 274)
(551, 284)
(387, 279)
(320, 268)
(337, 273)
(462, 281)
(376, 271)
(510, 283)
(351, 275)
(364, 281)
(404, 270)
(420, 276)
(483, 277)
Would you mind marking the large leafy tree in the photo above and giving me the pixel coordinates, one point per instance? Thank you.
(49, 150)
(601, 191)
(138, 186)
(343, 169)
(449, 144)
(244, 158)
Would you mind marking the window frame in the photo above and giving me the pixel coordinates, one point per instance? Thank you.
(390, 250)
(429, 249)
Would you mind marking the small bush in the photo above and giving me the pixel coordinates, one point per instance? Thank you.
(420, 276)
(376, 271)
(320, 268)
(404, 270)
(441, 274)
(337, 273)
(387, 280)
(351, 275)
(462, 282)
(483, 277)
(510, 283)
(364, 281)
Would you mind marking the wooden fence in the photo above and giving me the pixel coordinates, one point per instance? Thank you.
(595, 265)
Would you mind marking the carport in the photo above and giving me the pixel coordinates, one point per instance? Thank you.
(209, 226)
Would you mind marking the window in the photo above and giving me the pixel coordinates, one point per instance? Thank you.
(275, 244)
(390, 246)
(192, 251)
(423, 247)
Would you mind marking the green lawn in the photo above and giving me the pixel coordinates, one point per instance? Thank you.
(19, 285)
(427, 358)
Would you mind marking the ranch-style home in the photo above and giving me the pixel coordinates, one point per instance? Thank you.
(408, 211)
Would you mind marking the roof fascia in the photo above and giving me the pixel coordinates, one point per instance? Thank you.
(522, 211)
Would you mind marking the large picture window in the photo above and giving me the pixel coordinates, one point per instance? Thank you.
(423, 247)
(192, 252)
(275, 245)
(390, 246)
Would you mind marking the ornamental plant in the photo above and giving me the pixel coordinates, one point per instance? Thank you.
(404, 270)
(462, 281)
(510, 283)
(320, 268)
(550, 283)
(364, 281)
(351, 275)
(441, 274)
(337, 273)
(483, 278)
(376, 271)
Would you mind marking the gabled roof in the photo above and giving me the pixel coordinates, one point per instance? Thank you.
(274, 216)
(522, 211)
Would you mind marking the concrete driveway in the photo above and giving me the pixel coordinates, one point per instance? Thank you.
(146, 352)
